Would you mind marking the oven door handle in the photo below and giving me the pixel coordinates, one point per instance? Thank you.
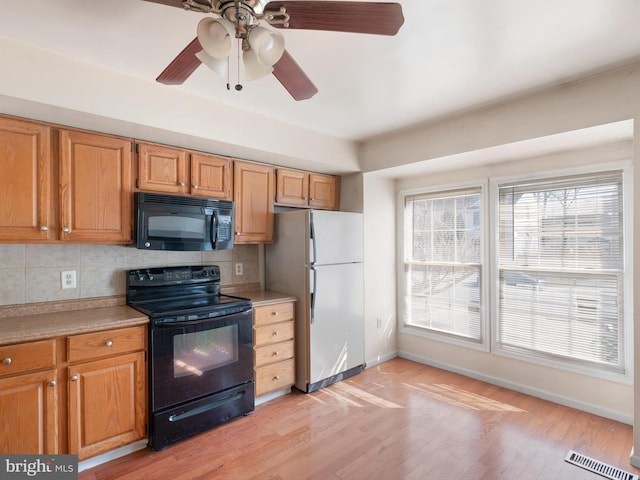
(215, 225)
(188, 323)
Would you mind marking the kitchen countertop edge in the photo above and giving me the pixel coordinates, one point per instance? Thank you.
(28, 326)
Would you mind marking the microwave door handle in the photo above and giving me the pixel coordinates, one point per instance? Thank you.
(215, 225)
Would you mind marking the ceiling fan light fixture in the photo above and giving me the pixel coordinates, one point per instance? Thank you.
(215, 36)
(218, 65)
(253, 69)
(267, 45)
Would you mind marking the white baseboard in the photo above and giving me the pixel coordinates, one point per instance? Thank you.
(380, 359)
(527, 390)
(112, 455)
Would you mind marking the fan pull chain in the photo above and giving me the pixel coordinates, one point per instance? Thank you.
(238, 85)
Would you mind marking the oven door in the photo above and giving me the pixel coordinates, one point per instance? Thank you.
(191, 359)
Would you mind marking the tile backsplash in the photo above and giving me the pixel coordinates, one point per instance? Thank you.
(31, 273)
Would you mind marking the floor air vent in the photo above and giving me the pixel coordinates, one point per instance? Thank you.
(598, 467)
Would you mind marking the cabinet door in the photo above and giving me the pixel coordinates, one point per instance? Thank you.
(253, 193)
(107, 404)
(324, 191)
(292, 187)
(29, 414)
(25, 181)
(210, 176)
(162, 168)
(95, 188)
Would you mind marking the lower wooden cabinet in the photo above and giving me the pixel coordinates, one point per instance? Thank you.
(29, 414)
(83, 394)
(106, 404)
(274, 356)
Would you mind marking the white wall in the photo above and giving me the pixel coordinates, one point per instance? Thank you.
(603, 99)
(379, 269)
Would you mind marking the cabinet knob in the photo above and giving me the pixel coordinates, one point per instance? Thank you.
(66, 230)
(7, 361)
(275, 313)
(276, 333)
(108, 343)
(74, 378)
(44, 228)
(276, 353)
(52, 383)
(182, 184)
(276, 377)
(195, 187)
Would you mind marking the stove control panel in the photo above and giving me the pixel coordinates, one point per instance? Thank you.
(160, 276)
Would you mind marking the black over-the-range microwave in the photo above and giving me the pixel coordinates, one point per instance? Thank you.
(171, 222)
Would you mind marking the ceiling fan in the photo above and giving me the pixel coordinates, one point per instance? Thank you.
(263, 48)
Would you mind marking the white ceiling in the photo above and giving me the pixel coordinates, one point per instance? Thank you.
(449, 55)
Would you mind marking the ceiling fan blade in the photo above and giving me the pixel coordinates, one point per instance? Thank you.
(357, 17)
(291, 76)
(182, 66)
(178, 3)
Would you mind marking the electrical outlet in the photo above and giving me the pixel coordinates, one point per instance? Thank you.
(238, 269)
(68, 279)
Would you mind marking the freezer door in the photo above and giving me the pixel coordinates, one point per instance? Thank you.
(336, 334)
(337, 237)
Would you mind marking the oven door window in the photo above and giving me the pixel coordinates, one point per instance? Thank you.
(199, 359)
(198, 352)
(177, 227)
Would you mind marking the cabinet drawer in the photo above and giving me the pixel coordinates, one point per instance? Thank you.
(102, 344)
(275, 313)
(275, 377)
(278, 332)
(24, 357)
(273, 353)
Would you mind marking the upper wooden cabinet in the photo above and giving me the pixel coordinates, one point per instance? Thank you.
(253, 194)
(211, 176)
(95, 187)
(25, 181)
(162, 168)
(298, 188)
(173, 170)
(324, 191)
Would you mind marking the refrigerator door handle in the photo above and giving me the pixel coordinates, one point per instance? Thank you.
(314, 293)
(312, 234)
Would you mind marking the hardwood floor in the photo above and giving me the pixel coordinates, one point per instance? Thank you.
(399, 420)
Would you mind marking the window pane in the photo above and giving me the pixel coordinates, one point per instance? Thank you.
(560, 269)
(444, 299)
(442, 268)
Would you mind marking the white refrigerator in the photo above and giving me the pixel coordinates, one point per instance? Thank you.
(317, 257)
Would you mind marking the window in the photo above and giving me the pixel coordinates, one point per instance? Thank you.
(560, 269)
(442, 254)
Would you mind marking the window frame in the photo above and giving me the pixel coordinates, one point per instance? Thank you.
(625, 167)
(484, 343)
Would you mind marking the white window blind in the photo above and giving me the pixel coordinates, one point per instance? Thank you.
(442, 262)
(560, 269)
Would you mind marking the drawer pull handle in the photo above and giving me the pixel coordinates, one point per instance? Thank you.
(108, 343)
(52, 383)
(275, 313)
(74, 378)
(7, 361)
(276, 333)
(276, 377)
